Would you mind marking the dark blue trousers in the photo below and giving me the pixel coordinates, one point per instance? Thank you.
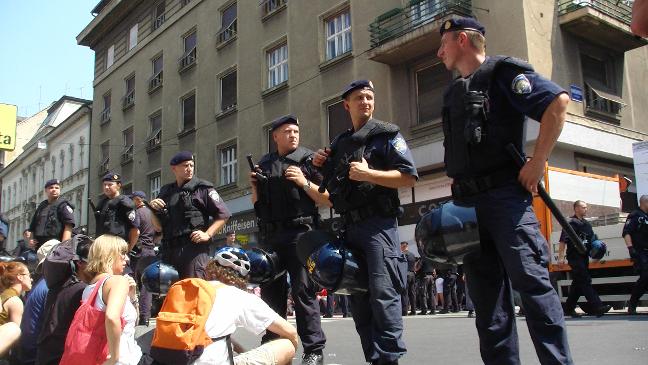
(581, 283)
(642, 283)
(377, 314)
(514, 255)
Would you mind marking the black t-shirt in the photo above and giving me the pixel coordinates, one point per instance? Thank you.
(411, 261)
(583, 229)
(146, 228)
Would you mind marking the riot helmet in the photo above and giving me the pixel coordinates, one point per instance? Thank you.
(158, 277)
(265, 266)
(596, 249)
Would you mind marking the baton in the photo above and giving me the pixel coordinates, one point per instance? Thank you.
(573, 237)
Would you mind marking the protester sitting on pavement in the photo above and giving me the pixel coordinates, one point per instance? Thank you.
(14, 281)
(9, 333)
(234, 307)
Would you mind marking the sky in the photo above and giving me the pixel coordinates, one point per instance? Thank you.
(40, 60)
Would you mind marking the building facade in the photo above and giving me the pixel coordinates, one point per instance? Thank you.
(210, 75)
(59, 149)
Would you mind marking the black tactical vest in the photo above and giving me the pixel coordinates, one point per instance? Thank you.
(477, 131)
(52, 227)
(640, 236)
(583, 229)
(108, 219)
(279, 199)
(183, 215)
(346, 194)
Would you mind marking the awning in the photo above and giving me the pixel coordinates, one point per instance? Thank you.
(607, 96)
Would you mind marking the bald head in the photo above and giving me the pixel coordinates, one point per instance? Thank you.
(643, 203)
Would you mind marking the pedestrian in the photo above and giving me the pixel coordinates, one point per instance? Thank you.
(115, 214)
(143, 253)
(451, 303)
(376, 162)
(440, 300)
(484, 111)
(285, 197)
(427, 287)
(53, 219)
(231, 241)
(470, 307)
(190, 212)
(15, 280)
(635, 234)
(408, 296)
(579, 263)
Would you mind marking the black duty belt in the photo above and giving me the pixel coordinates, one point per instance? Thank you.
(360, 214)
(270, 227)
(469, 186)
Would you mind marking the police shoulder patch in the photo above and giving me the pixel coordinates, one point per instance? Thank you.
(69, 209)
(521, 85)
(213, 194)
(399, 144)
(131, 216)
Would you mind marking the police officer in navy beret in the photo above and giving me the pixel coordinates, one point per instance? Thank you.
(366, 196)
(285, 201)
(484, 110)
(115, 213)
(190, 212)
(635, 234)
(54, 217)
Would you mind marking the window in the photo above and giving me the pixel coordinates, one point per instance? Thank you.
(53, 161)
(339, 119)
(156, 79)
(127, 152)
(184, 2)
(105, 113)
(189, 56)
(424, 10)
(270, 6)
(154, 184)
(129, 97)
(228, 91)
(155, 135)
(81, 149)
(431, 81)
(105, 157)
(601, 95)
(277, 65)
(132, 37)
(228, 165)
(338, 35)
(110, 56)
(62, 163)
(189, 112)
(272, 146)
(158, 15)
(228, 24)
(71, 152)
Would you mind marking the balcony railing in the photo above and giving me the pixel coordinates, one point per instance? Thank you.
(127, 155)
(103, 167)
(399, 21)
(270, 6)
(620, 10)
(187, 60)
(154, 142)
(155, 82)
(158, 21)
(603, 103)
(227, 33)
(129, 100)
(105, 116)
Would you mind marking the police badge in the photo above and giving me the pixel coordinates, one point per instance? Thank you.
(521, 85)
(214, 196)
(399, 145)
(131, 216)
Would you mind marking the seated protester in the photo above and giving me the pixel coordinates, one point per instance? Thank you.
(31, 318)
(235, 307)
(107, 260)
(63, 298)
(9, 333)
(14, 281)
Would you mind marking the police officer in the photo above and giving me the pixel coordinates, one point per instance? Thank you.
(635, 234)
(408, 296)
(285, 200)
(115, 212)
(484, 111)
(376, 162)
(144, 251)
(582, 281)
(426, 286)
(190, 212)
(53, 219)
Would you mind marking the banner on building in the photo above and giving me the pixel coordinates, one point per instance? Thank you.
(8, 126)
(640, 157)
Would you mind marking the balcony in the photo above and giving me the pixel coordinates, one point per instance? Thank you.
(187, 61)
(127, 155)
(270, 7)
(103, 167)
(155, 82)
(226, 34)
(154, 142)
(158, 21)
(402, 34)
(602, 22)
(105, 116)
(128, 100)
(603, 104)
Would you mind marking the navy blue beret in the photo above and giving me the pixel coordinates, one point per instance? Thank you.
(51, 182)
(140, 194)
(462, 24)
(111, 176)
(358, 84)
(286, 119)
(181, 157)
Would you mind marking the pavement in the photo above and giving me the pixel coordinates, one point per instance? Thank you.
(616, 338)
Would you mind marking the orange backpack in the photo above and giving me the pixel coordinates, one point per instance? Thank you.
(180, 335)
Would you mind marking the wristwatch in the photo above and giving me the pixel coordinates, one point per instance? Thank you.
(307, 186)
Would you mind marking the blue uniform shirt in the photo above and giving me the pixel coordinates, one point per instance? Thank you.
(385, 152)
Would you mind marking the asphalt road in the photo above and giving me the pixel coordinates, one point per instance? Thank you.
(615, 339)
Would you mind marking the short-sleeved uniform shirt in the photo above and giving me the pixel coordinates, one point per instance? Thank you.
(583, 229)
(636, 226)
(411, 261)
(146, 228)
(390, 152)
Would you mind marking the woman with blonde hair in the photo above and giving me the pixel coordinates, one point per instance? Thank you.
(106, 262)
(14, 281)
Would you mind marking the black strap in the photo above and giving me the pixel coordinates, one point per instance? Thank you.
(228, 340)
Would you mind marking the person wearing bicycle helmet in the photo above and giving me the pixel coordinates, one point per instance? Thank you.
(235, 307)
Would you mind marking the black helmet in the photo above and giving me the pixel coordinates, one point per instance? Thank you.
(596, 249)
(265, 266)
(331, 264)
(448, 233)
(158, 277)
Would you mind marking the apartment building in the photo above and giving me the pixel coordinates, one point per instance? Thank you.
(210, 75)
